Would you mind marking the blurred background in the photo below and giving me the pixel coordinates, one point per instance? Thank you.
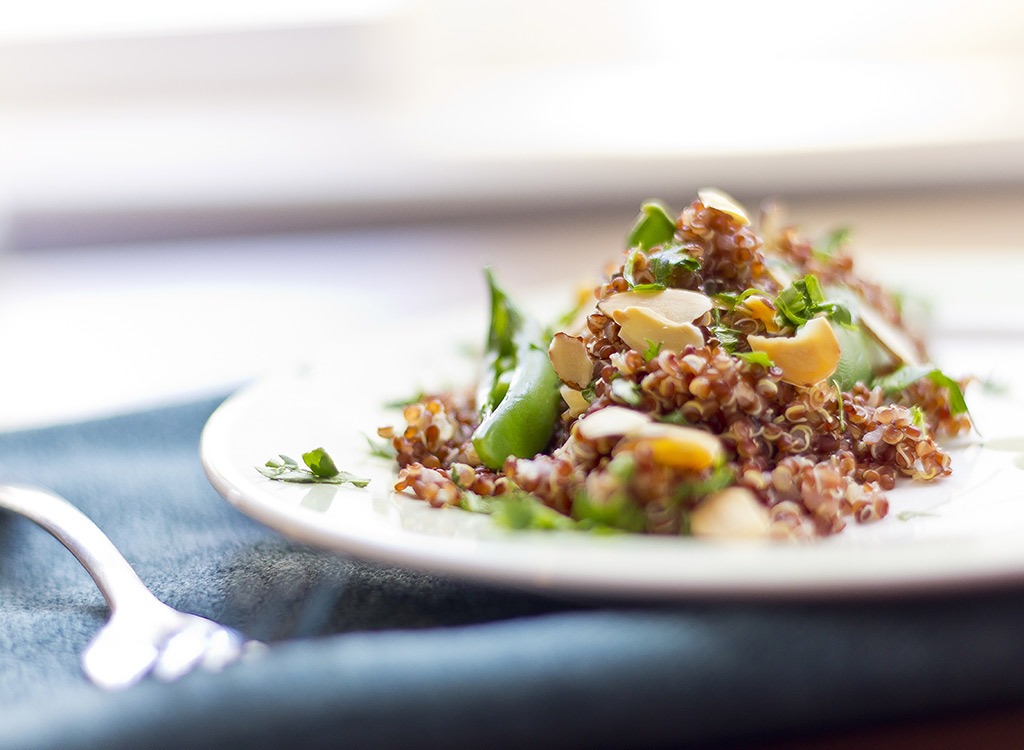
(183, 187)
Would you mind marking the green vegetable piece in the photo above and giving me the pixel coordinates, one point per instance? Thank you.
(517, 396)
(654, 226)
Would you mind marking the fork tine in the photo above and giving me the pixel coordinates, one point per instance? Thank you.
(182, 652)
(224, 647)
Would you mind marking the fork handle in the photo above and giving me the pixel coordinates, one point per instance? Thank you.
(113, 575)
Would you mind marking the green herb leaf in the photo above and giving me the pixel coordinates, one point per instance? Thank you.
(652, 351)
(803, 300)
(728, 338)
(653, 226)
(756, 358)
(673, 417)
(286, 469)
(670, 264)
(320, 463)
(903, 377)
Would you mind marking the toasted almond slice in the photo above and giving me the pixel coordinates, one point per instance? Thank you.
(732, 513)
(806, 358)
(612, 421)
(571, 361)
(640, 327)
(722, 201)
(892, 339)
(575, 400)
(762, 309)
(675, 305)
(676, 445)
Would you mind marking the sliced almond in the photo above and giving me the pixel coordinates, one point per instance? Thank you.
(806, 358)
(575, 400)
(722, 201)
(732, 513)
(676, 445)
(675, 305)
(571, 361)
(612, 421)
(641, 327)
(892, 339)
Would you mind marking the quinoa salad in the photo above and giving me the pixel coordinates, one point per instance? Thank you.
(727, 377)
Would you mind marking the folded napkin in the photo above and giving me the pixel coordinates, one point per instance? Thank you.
(367, 656)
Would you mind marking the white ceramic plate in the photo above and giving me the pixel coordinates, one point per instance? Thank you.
(964, 531)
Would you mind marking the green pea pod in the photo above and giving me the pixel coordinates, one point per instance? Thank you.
(517, 396)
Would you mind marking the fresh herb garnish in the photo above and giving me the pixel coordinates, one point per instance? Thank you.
(673, 417)
(803, 300)
(666, 265)
(654, 226)
(320, 468)
(653, 350)
(730, 299)
(903, 377)
(728, 338)
(756, 358)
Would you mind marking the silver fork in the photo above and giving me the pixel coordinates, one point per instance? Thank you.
(143, 635)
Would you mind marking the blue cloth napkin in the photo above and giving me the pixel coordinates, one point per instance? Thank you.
(367, 656)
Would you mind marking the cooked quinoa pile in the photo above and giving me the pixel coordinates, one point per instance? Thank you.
(722, 381)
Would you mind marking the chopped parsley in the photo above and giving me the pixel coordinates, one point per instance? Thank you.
(803, 300)
(319, 468)
(908, 374)
(652, 351)
(666, 265)
(756, 358)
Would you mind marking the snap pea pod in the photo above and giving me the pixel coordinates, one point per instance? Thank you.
(517, 396)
